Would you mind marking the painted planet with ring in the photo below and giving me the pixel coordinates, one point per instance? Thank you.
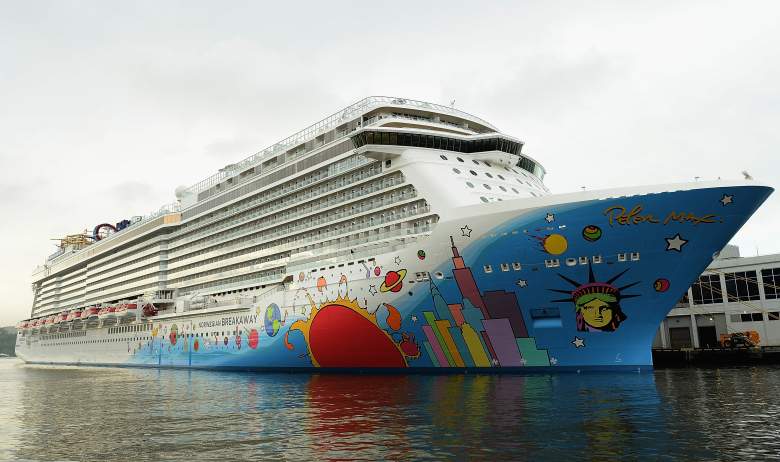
(394, 281)
(661, 285)
(421, 254)
(591, 233)
(377, 271)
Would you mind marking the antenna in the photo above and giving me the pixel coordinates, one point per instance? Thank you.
(452, 103)
(746, 175)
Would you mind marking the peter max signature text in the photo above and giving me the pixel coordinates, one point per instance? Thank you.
(617, 214)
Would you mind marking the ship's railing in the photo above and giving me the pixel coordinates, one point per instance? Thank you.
(339, 118)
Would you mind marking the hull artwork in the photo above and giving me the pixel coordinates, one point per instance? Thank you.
(545, 285)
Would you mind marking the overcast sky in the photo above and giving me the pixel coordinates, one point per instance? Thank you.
(106, 107)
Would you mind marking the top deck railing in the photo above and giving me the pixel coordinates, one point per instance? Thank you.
(334, 120)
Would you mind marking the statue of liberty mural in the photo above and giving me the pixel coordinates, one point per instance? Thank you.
(597, 304)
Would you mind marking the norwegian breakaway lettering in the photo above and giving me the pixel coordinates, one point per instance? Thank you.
(229, 321)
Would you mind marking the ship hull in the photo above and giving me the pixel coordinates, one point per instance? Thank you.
(557, 284)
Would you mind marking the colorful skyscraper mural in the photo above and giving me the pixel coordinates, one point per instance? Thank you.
(481, 330)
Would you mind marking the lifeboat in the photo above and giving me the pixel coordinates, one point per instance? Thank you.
(150, 310)
(62, 317)
(121, 311)
(127, 310)
(21, 325)
(90, 312)
(50, 320)
(74, 315)
(107, 312)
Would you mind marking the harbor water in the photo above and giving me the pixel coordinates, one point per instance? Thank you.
(107, 414)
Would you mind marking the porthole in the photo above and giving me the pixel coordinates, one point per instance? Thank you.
(516, 191)
(443, 157)
(502, 188)
(516, 266)
(484, 199)
(475, 161)
(460, 159)
(469, 184)
(456, 171)
(473, 172)
(488, 268)
(487, 186)
(504, 266)
(487, 174)
(501, 177)
(438, 275)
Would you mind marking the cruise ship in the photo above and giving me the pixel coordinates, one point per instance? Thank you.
(396, 235)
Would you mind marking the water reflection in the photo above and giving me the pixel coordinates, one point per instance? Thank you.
(116, 414)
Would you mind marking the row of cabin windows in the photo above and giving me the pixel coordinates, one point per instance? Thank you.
(131, 328)
(477, 162)
(555, 262)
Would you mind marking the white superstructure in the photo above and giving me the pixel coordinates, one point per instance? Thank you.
(361, 182)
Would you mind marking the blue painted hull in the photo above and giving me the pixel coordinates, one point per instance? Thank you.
(569, 286)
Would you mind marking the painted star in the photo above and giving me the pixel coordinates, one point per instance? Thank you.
(397, 261)
(466, 231)
(727, 199)
(372, 290)
(414, 318)
(549, 218)
(523, 361)
(553, 361)
(578, 342)
(522, 283)
(675, 243)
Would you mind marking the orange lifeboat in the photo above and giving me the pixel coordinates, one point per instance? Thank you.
(127, 310)
(120, 311)
(107, 312)
(74, 315)
(91, 312)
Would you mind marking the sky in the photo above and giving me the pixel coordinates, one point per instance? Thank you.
(107, 106)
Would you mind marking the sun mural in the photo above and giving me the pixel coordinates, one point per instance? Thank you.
(597, 304)
(341, 333)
